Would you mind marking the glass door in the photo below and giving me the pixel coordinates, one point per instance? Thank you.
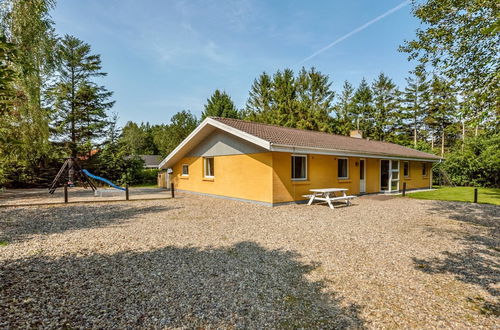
(389, 175)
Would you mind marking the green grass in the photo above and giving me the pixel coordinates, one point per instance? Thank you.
(144, 185)
(460, 194)
(4, 243)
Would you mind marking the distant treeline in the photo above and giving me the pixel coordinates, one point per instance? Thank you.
(52, 105)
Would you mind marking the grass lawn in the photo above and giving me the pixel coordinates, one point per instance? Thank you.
(144, 185)
(460, 194)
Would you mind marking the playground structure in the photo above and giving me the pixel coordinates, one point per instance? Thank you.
(72, 171)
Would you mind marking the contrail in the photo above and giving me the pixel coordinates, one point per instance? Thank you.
(356, 30)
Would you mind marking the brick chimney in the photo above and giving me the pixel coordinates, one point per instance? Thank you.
(358, 134)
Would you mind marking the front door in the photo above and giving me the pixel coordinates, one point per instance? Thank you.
(362, 176)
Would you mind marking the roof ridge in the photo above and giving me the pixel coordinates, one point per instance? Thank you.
(293, 128)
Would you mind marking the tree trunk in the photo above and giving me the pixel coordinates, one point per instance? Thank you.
(463, 135)
(432, 142)
(442, 143)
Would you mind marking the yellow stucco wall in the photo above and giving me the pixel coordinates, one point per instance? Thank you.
(322, 173)
(416, 179)
(266, 177)
(247, 176)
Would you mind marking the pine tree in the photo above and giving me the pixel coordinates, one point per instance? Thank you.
(363, 108)
(284, 96)
(260, 101)
(345, 110)
(79, 104)
(220, 105)
(441, 109)
(414, 101)
(386, 104)
(314, 101)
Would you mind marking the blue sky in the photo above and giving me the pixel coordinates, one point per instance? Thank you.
(165, 56)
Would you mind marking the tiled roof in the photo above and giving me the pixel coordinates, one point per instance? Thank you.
(293, 137)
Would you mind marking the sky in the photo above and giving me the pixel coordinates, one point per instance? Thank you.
(166, 56)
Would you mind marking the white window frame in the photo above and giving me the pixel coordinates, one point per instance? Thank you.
(406, 162)
(182, 170)
(293, 164)
(205, 167)
(347, 177)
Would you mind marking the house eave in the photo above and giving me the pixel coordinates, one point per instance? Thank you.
(345, 153)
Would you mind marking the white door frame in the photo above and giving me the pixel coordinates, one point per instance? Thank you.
(362, 183)
(389, 181)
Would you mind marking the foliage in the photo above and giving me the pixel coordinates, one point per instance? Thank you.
(460, 38)
(220, 105)
(305, 101)
(478, 164)
(167, 137)
(79, 104)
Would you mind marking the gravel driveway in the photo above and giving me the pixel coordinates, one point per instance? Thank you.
(202, 262)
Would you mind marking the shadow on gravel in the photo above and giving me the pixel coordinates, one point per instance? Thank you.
(19, 223)
(243, 285)
(479, 261)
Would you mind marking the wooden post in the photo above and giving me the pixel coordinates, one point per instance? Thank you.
(475, 195)
(65, 193)
(404, 189)
(126, 192)
(172, 190)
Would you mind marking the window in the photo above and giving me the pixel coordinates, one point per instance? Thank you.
(209, 167)
(299, 167)
(185, 170)
(406, 169)
(343, 168)
(424, 169)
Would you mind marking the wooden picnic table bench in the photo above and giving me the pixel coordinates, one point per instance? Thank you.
(328, 195)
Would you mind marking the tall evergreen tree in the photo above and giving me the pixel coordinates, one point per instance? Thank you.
(284, 95)
(260, 101)
(345, 114)
(363, 108)
(314, 101)
(441, 109)
(386, 104)
(79, 103)
(220, 105)
(414, 100)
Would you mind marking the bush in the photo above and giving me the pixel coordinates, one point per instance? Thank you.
(478, 164)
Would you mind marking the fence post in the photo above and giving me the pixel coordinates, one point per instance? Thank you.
(404, 189)
(172, 190)
(65, 193)
(475, 195)
(126, 192)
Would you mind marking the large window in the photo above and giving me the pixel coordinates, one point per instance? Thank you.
(185, 170)
(299, 167)
(406, 169)
(208, 164)
(342, 168)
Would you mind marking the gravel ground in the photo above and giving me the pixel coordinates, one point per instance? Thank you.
(76, 194)
(196, 261)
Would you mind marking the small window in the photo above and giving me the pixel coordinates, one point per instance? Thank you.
(343, 168)
(299, 167)
(406, 169)
(424, 169)
(185, 170)
(209, 167)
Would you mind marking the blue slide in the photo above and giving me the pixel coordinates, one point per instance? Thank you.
(102, 179)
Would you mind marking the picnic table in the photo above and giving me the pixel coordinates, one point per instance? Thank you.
(329, 195)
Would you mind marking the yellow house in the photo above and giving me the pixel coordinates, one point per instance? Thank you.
(270, 164)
